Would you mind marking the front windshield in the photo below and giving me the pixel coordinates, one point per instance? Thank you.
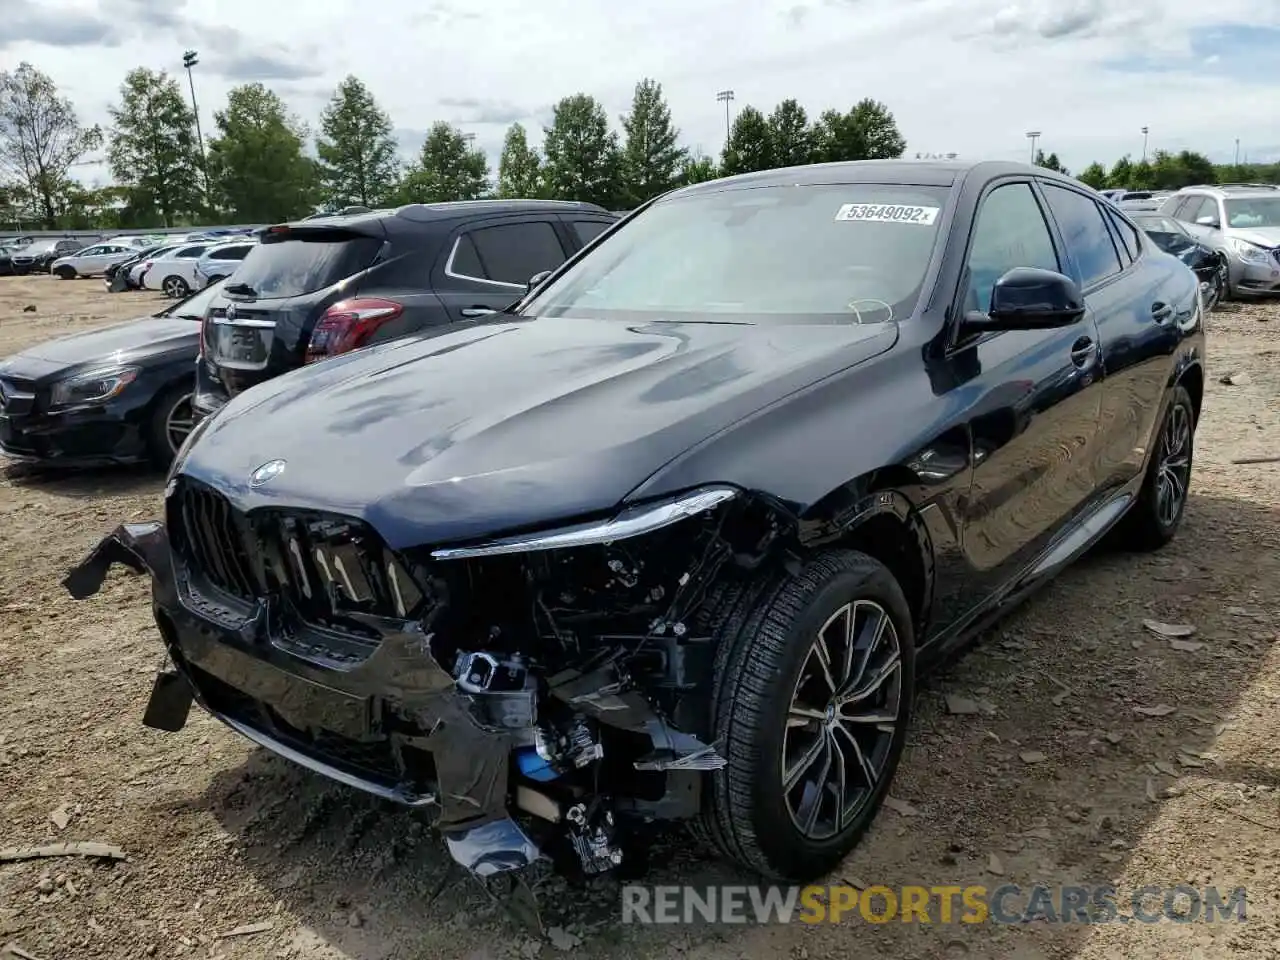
(844, 252)
(1253, 212)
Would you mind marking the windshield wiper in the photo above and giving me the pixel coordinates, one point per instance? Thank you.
(242, 288)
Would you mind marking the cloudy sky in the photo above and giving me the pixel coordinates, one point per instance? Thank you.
(969, 76)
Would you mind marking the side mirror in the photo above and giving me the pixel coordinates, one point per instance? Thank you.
(1209, 221)
(537, 280)
(1028, 298)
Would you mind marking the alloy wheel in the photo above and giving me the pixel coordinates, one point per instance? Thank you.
(179, 423)
(844, 713)
(173, 287)
(1173, 474)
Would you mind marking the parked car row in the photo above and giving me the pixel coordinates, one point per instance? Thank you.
(1239, 221)
(559, 525)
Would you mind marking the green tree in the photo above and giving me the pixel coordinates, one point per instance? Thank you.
(448, 168)
(791, 139)
(868, 131)
(520, 167)
(257, 167)
(153, 147)
(1051, 162)
(1173, 171)
(697, 168)
(750, 146)
(582, 156)
(651, 156)
(357, 148)
(1121, 175)
(1095, 175)
(40, 138)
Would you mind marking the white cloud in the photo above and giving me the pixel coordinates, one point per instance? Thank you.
(970, 76)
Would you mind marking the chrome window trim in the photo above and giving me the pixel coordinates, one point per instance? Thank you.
(448, 269)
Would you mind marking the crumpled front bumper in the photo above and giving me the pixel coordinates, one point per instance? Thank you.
(398, 701)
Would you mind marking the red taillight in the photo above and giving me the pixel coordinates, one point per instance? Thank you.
(147, 265)
(349, 324)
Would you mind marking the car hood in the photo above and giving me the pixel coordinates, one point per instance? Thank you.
(1263, 236)
(123, 344)
(509, 424)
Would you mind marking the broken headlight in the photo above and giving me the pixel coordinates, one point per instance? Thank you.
(633, 521)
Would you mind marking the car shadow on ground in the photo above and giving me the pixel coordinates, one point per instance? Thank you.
(1055, 780)
(124, 479)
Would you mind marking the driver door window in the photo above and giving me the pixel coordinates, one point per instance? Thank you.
(1010, 232)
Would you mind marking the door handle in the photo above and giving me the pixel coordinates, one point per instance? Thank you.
(1161, 312)
(477, 311)
(1084, 352)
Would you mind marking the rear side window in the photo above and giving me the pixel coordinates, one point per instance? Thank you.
(1128, 236)
(190, 251)
(1085, 233)
(513, 252)
(588, 230)
(303, 264)
(232, 253)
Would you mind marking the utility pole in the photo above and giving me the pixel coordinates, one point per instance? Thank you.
(726, 97)
(1237, 151)
(1144, 144)
(189, 59)
(470, 139)
(1033, 136)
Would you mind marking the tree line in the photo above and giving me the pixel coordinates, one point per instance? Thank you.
(263, 164)
(1165, 170)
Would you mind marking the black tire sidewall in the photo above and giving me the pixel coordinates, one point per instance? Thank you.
(65, 273)
(183, 287)
(783, 845)
(157, 432)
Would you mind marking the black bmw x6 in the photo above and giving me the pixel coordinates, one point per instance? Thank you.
(673, 537)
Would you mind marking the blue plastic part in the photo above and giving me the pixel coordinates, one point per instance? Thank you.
(533, 766)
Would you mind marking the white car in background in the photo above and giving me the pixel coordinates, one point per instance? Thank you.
(92, 260)
(174, 272)
(221, 261)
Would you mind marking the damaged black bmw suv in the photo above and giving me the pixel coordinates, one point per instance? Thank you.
(671, 538)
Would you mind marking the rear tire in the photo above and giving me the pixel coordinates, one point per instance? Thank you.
(65, 272)
(1155, 516)
(171, 420)
(805, 779)
(175, 287)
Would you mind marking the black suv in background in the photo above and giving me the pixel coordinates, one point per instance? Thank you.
(37, 257)
(324, 286)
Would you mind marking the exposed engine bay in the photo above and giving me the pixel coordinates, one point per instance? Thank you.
(597, 660)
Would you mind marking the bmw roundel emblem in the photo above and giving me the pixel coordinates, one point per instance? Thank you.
(266, 473)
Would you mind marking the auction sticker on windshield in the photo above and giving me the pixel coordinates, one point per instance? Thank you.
(888, 213)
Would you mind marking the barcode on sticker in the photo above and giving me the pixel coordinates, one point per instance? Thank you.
(888, 213)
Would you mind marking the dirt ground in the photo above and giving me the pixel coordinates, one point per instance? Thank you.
(1060, 777)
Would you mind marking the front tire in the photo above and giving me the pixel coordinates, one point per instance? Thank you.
(1155, 516)
(810, 707)
(175, 287)
(172, 419)
(65, 272)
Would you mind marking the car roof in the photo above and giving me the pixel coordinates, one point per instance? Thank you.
(1232, 189)
(924, 173)
(224, 243)
(454, 210)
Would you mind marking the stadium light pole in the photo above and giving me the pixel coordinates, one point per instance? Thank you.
(1144, 144)
(189, 59)
(1033, 136)
(726, 97)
